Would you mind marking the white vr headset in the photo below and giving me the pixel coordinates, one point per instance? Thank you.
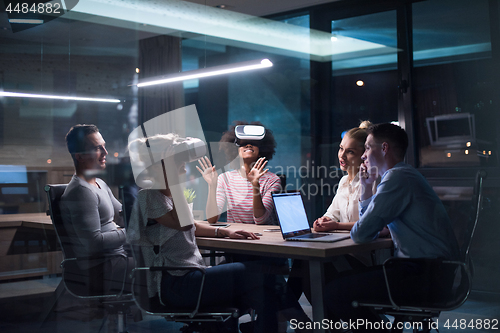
(249, 133)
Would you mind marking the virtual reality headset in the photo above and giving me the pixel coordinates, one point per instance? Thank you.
(249, 134)
(189, 150)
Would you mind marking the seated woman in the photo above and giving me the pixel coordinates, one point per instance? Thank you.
(246, 190)
(156, 227)
(343, 212)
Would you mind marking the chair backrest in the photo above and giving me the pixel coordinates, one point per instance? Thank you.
(54, 194)
(140, 284)
(127, 196)
(477, 204)
(77, 281)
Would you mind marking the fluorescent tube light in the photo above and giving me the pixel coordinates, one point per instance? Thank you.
(26, 21)
(70, 98)
(205, 72)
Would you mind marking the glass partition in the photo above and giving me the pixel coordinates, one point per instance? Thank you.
(455, 84)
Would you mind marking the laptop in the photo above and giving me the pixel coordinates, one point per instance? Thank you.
(293, 221)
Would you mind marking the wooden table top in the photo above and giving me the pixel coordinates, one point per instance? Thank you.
(271, 243)
(32, 220)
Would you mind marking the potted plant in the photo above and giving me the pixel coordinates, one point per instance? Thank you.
(190, 195)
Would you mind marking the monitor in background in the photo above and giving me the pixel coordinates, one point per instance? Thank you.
(451, 129)
(21, 190)
(13, 174)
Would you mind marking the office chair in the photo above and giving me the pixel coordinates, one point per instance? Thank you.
(198, 319)
(77, 281)
(448, 285)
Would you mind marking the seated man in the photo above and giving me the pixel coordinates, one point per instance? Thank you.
(90, 214)
(407, 205)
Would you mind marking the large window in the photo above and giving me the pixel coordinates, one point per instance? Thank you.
(455, 84)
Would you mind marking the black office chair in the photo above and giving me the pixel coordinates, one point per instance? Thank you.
(447, 284)
(76, 281)
(198, 319)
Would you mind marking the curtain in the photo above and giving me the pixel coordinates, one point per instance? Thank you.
(159, 55)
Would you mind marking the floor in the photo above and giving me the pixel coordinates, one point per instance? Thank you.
(24, 316)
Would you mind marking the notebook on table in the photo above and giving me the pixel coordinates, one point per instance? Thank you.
(293, 221)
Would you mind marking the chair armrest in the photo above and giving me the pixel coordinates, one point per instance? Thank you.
(212, 255)
(174, 268)
(82, 270)
(96, 257)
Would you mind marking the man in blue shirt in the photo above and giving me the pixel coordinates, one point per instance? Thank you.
(407, 205)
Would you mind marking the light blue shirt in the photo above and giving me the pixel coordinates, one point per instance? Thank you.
(414, 214)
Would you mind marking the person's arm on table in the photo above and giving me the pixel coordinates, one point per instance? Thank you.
(203, 230)
(326, 224)
(329, 221)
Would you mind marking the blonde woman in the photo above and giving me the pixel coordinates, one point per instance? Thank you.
(343, 212)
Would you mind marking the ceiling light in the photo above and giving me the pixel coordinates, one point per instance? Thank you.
(26, 21)
(360, 83)
(333, 39)
(70, 98)
(222, 26)
(205, 72)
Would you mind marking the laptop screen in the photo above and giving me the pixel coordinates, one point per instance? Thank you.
(291, 213)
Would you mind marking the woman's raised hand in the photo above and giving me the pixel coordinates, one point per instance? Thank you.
(207, 170)
(257, 171)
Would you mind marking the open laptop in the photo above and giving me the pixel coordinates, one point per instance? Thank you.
(293, 220)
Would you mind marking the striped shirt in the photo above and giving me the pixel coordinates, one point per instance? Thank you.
(236, 193)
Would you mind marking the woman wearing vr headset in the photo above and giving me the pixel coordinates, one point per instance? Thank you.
(157, 226)
(247, 189)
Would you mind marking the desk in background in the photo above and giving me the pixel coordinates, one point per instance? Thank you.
(272, 244)
(28, 246)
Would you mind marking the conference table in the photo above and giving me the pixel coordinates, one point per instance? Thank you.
(272, 244)
(28, 246)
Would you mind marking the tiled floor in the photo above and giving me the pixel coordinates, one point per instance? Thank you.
(23, 317)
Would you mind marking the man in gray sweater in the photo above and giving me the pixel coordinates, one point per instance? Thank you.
(90, 214)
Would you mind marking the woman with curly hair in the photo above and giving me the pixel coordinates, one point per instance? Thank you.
(246, 190)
